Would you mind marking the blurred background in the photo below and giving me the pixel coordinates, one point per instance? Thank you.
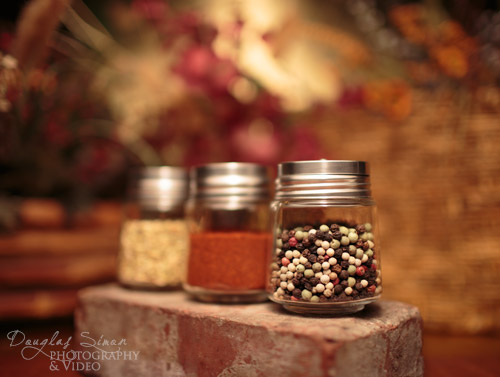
(91, 89)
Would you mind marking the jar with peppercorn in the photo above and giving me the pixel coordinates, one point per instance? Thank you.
(154, 237)
(228, 219)
(326, 253)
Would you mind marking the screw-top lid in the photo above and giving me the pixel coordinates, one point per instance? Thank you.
(230, 181)
(323, 179)
(161, 187)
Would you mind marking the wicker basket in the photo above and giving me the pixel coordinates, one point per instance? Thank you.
(436, 180)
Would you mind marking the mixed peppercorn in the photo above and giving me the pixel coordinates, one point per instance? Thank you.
(328, 263)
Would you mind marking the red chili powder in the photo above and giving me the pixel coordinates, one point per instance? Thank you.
(229, 260)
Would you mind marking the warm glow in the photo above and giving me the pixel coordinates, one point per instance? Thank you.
(294, 71)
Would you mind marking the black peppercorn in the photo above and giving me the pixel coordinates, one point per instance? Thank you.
(314, 281)
(360, 229)
(321, 235)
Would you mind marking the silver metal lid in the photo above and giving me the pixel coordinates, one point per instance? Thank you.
(230, 181)
(323, 179)
(161, 187)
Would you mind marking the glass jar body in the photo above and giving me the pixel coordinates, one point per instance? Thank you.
(325, 256)
(229, 243)
(153, 247)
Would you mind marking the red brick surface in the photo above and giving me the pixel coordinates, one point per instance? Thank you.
(178, 337)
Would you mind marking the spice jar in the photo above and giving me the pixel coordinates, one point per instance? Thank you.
(326, 254)
(154, 237)
(228, 219)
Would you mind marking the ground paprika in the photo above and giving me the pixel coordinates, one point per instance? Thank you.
(228, 260)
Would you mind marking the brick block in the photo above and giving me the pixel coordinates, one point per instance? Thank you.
(179, 337)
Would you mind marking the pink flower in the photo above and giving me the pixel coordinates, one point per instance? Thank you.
(303, 145)
(204, 71)
(351, 97)
(152, 10)
(257, 141)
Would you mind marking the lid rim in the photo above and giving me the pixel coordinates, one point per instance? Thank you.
(323, 167)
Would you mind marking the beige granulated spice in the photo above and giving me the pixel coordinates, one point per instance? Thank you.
(153, 253)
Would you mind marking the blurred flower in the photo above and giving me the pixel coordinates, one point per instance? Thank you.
(409, 19)
(56, 129)
(203, 70)
(5, 41)
(257, 141)
(351, 97)
(305, 145)
(451, 60)
(447, 44)
(423, 73)
(391, 98)
(10, 82)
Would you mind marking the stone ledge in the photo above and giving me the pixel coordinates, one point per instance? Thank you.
(178, 337)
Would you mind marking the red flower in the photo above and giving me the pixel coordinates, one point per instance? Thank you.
(203, 70)
(5, 41)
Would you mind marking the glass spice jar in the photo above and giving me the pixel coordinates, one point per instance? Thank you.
(228, 219)
(154, 238)
(326, 253)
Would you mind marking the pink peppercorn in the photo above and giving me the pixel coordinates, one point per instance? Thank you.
(285, 261)
(292, 242)
(326, 257)
(294, 298)
(336, 281)
(374, 266)
(371, 288)
(360, 271)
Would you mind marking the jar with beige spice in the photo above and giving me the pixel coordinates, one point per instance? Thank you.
(154, 238)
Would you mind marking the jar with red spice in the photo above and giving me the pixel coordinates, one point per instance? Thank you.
(326, 253)
(228, 220)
